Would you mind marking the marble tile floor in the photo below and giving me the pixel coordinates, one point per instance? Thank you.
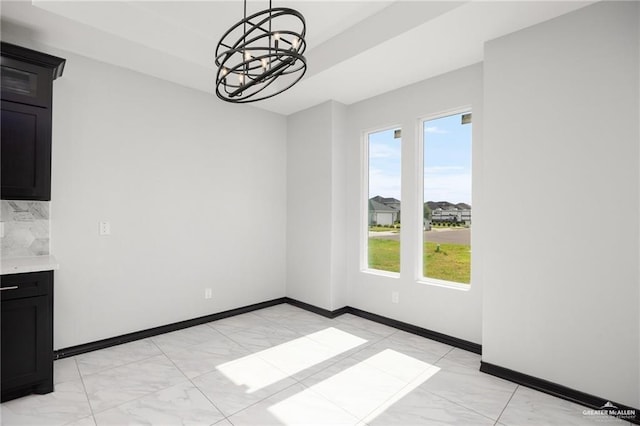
(285, 366)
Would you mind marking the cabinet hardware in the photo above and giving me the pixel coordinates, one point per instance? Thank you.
(13, 287)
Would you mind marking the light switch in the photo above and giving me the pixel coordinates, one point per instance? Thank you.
(105, 228)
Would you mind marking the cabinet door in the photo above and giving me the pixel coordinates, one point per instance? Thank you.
(26, 152)
(26, 344)
(25, 83)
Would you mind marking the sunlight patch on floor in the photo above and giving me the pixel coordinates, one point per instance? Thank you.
(365, 389)
(288, 358)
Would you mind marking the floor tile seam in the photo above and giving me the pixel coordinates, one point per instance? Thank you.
(94, 412)
(359, 348)
(108, 349)
(475, 368)
(260, 400)
(443, 356)
(230, 335)
(281, 317)
(395, 330)
(477, 374)
(351, 355)
(291, 376)
(86, 394)
(68, 380)
(407, 382)
(84, 387)
(296, 331)
(190, 380)
(208, 371)
(190, 347)
(416, 349)
(186, 379)
(225, 417)
(507, 404)
(137, 398)
(330, 401)
(210, 323)
(81, 418)
(168, 355)
(288, 376)
(184, 345)
(254, 349)
(460, 405)
(121, 365)
(380, 336)
(331, 348)
(345, 354)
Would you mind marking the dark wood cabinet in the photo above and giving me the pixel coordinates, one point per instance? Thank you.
(25, 82)
(26, 89)
(26, 152)
(26, 342)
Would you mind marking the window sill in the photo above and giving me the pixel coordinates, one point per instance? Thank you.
(442, 283)
(381, 273)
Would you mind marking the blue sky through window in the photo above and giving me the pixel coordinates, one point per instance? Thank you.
(384, 164)
(447, 160)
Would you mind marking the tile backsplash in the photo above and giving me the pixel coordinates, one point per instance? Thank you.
(26, 228)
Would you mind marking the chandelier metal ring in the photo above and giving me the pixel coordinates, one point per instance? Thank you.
(258, 50)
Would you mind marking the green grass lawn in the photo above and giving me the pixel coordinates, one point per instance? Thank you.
(384, 254)
(383, 229)
(452, 262)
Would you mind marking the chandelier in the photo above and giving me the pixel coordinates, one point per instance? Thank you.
(261, 55)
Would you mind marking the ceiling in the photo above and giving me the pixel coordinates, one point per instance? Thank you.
(356, 49)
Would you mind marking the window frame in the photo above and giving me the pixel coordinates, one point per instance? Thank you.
(364, 201)
(419, 273)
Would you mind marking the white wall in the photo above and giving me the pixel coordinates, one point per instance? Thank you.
(309, 205)
(315, 200)
(339, 201)
(442, 309)
(194, 190)
(561, 130)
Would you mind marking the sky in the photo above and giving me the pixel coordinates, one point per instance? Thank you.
(447, 161)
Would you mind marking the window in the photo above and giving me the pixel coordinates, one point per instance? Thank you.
(383, 209)
(446, 243)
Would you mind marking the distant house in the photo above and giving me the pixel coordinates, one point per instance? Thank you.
(391, 202)
(381, 213)
(451, 214)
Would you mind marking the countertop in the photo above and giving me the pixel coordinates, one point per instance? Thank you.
(19, 265)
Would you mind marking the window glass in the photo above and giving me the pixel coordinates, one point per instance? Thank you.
(446, 248)
(384, 212)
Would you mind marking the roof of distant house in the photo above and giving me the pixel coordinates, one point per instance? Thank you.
(384, 200)
(379, 207)
(445, 205)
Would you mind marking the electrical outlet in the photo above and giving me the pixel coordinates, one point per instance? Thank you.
(104, 228)
(208, 293)
(395, 297)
